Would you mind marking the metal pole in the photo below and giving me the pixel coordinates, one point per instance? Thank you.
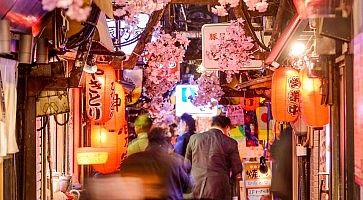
(334, 185)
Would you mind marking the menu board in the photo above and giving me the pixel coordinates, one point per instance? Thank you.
(256, 183)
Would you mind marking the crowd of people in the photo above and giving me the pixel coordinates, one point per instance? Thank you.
(194, 166)
(175, 163)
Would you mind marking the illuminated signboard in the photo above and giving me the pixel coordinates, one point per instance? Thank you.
(184, 95)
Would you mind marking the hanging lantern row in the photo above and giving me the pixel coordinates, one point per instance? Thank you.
(295, 93)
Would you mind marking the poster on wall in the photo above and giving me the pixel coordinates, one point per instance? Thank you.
(236, 114)
(262, 118)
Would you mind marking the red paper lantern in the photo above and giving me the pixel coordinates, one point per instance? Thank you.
(116, 145)
(117, 122)
(314, 113)
(100, 94)
(285, 96)
(250, 104)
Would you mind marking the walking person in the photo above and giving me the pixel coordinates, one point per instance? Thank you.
(281, 153)
(142, 126)
(215, 161)
(186, 128)
(163, 173)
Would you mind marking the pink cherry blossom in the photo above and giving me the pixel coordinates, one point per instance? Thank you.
(219, 10)
(162, 111)
(74, 8)
(49, 5)
(130, 9)
(162, 57)
(77, 13)
(262, 6)
(208, 89)
(234, 50)
(64, 3)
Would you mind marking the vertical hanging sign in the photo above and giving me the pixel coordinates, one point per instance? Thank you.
(100, 91)
(293, 95)
(211, 33)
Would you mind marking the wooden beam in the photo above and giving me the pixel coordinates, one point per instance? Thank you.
(196, 2)
(144, 39)
(277, 27)
(239, 12)
(29, 177)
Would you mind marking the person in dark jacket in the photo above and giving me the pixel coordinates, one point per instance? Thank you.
(215, 160)
(163, 173)
(281, 183)
(186, 128)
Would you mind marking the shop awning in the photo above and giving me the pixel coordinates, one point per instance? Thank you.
(282, 46)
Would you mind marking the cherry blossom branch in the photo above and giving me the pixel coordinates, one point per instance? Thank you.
(74, 8)
(234, 50)
(208, 89)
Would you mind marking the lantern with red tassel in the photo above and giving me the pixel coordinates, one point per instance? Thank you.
(100, 94)
(285, 96)
(313, 111)
(116, 145)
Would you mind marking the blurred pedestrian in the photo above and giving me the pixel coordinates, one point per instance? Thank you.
(163, 173)
(173, 133)
(281, 183)
(142, 126)
(215, 161)
(186, 128)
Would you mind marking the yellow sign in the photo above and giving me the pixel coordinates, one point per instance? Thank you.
(254, 178)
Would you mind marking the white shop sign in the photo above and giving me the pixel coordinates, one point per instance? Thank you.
(211, 33)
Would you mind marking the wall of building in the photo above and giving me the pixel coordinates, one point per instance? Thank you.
(358, 93)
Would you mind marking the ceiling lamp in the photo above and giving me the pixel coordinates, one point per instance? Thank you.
(297, 49)
(91, 69)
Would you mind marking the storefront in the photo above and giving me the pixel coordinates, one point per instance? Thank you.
(289, 81)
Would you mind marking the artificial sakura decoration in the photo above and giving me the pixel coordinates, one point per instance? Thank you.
(162, 111)
(74, 8)
(129, 9)
(209, 89)
(259, 5)
(163, 56)
(221, 10)
(233, 50)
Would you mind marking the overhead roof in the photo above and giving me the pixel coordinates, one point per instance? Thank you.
(24, 15)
